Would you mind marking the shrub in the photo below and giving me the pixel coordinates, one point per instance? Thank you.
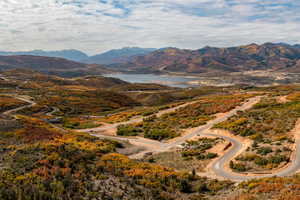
(202, 188)
(128, 130)
(149, 112)
(240, 167)
(150, 119)
(278, 159)
(184, 186)
(266, 121)
(261, 161)
(211, 155)
(160, 134)
(255, 145)
(247, 157)
(264, 150)
(201, 157)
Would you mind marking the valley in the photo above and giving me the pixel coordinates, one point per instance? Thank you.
(150, 100)
(192, 133)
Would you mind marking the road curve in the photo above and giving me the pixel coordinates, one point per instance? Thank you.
(160, 146)
(203, 129)
(30, 104)
(219, 168)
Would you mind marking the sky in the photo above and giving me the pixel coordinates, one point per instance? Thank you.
(95, 26)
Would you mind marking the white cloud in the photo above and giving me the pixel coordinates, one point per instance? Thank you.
(95, 26)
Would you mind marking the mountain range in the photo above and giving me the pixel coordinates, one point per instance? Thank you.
(268, 56)
(109, 57)
(71, 54)
(279, 57)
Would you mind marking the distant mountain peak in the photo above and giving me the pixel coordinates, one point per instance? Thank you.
(122, 55)
(252, 45)
(70, 54)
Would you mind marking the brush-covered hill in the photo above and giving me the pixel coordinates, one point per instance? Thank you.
(268, 56)
(30, 78)
(50, 65)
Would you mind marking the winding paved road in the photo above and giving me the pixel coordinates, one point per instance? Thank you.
(160, 146)
(25, 99)
(218, 167)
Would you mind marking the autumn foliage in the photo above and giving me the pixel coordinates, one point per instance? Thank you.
(170, 125)
(8, 103)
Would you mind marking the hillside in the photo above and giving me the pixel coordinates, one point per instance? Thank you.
(44, 155)
(59, 66)
(118, 55)
(70, 54)
(268, 56)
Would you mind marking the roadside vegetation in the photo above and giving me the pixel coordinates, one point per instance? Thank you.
(268, 124)
(270, 188)
(38, 161)
(72, 102)
(194, 155)
(106, 100)
(172, 124)
(8, 103)
(199, 148)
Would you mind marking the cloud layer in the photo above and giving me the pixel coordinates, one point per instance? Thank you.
(98, 25)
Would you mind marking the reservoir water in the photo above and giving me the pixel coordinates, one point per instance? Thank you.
(174, 81)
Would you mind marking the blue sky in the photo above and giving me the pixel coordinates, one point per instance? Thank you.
(95, 26)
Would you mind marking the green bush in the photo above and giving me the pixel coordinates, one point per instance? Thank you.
(261, 161)
(128, 130)
(160, 134)
(264, 150)
(240, 167)
(149, 112)
(201, 157)
(278, 159)
(211, 155)
(265, 121)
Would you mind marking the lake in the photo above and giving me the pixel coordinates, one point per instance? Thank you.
(174, 81)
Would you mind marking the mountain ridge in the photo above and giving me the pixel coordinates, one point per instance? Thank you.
(109, 57)
(279, 57)
(49, 65)
(118, 55)
(70, 54)
(268, 56)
